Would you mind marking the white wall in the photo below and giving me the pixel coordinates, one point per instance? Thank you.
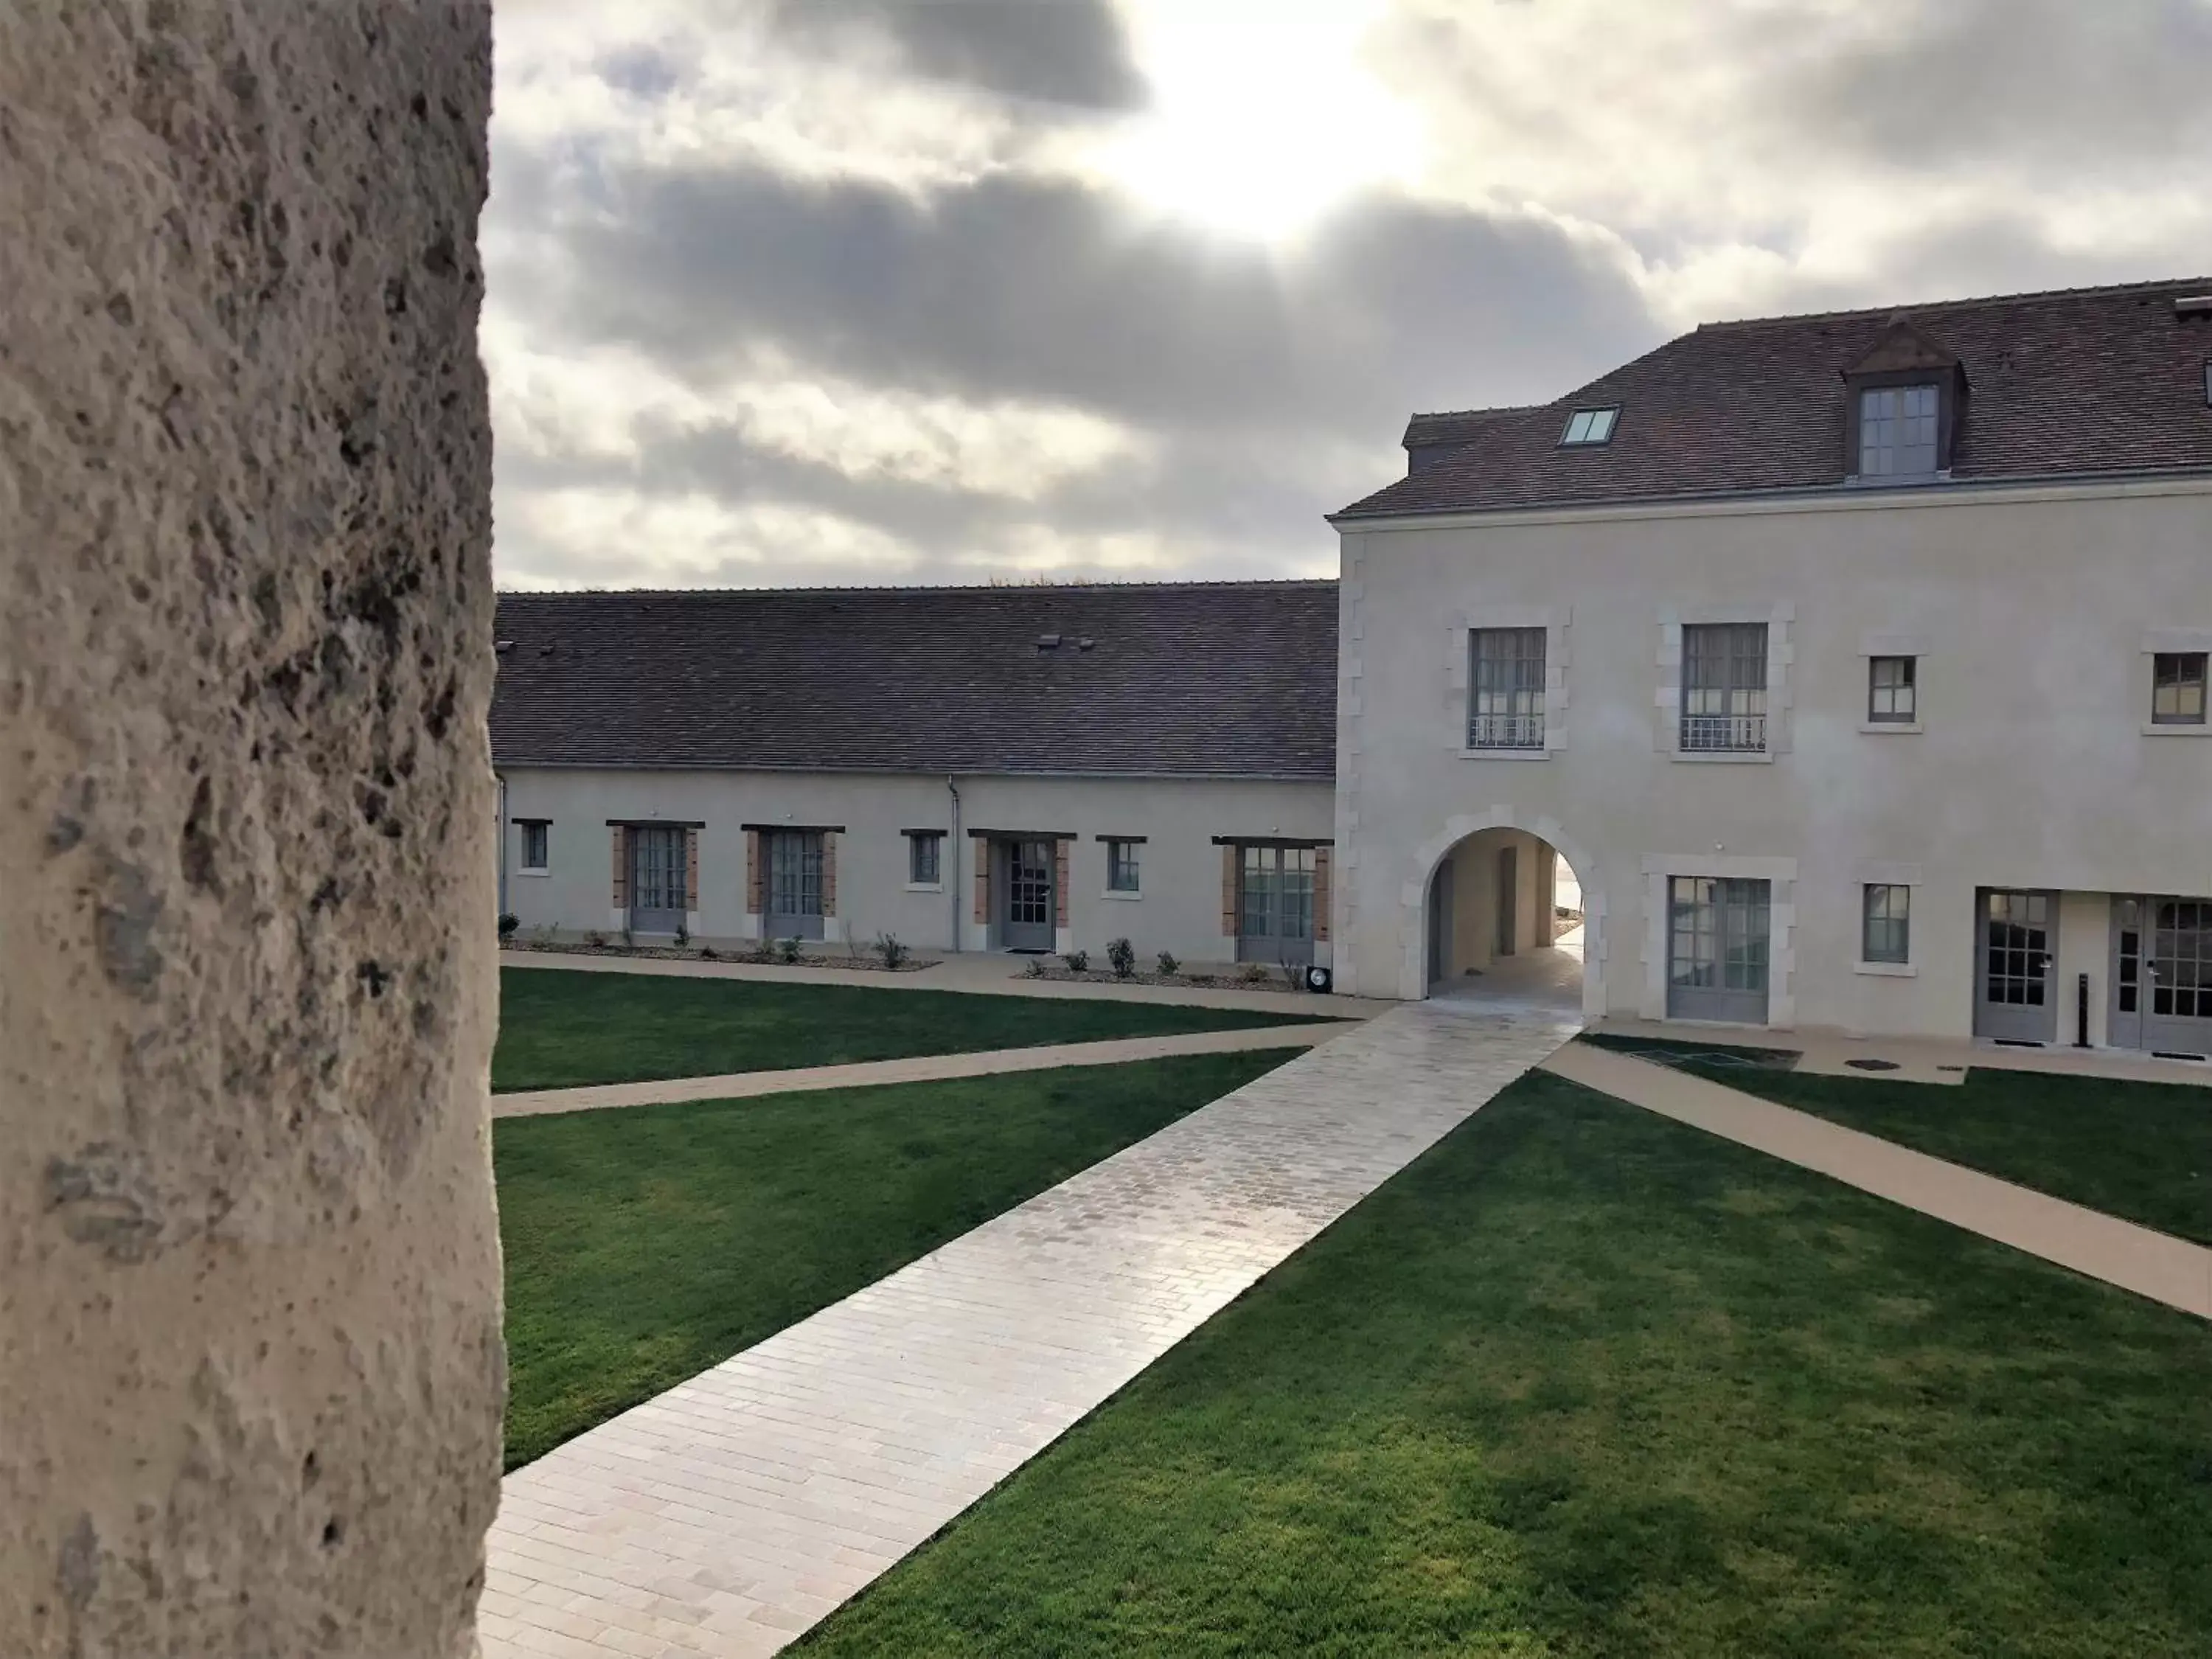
(1179, 908)
(2032, 611)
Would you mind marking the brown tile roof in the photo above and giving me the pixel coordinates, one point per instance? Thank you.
(1183, 678)
(2083, 381)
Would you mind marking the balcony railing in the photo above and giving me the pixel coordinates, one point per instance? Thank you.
(1709, 734)
(1506, 732)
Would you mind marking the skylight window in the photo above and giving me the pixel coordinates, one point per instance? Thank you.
(1590, 426)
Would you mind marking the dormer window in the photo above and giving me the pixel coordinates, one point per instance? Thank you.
(1905, 398)
(1587, 427)
(1897, 431)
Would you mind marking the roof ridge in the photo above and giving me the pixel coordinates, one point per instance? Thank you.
(1493, 409)
(2099, 291)
(1253, 582)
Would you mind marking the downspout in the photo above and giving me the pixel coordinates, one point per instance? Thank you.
(501, 778)
(952, 853)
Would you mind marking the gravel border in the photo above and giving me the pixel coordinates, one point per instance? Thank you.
(869, 963)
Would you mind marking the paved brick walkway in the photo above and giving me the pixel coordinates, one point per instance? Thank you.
(2138, 1259)
(736, 1509)
(913, 1068)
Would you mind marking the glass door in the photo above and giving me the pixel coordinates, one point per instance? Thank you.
(1031, 907)
(658, 900)
(1276, 904)
(2017, 949)
(794, 884)
(1717, 957)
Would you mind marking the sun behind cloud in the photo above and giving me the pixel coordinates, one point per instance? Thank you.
(1263, 115)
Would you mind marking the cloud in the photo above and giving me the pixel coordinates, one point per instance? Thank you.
(1063, 51)
(811, 290)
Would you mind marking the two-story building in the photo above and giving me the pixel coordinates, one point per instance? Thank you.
(1856, 662)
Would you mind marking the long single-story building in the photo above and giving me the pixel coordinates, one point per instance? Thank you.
(1010, 768)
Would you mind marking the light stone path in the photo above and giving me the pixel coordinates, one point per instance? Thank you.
(913, 1068)
(735, 1510)
(2138, 1259)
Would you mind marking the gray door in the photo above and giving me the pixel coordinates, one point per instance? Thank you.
(657, 901)
(2161, 974)
(1716, 952)
(1509, 898)
(1028, 925)
(1275, 901)
(2016, 950)
(794, 884)
(1440, 911)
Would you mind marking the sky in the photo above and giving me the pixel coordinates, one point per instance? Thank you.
(804, 293)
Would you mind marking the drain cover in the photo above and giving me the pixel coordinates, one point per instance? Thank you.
(1871, 1065)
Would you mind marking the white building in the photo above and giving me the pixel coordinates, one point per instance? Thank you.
(1855, 663)
(1037, 769)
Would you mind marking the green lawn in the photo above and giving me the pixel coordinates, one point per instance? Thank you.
(558, 1028)
(2139, 1151)
(1584, 1382)
(646, 1243)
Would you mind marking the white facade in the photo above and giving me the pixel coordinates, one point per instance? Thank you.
(1186, 832)
(2033, 615)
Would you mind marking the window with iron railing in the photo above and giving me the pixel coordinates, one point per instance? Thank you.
(1723, 687)
(1505, 688)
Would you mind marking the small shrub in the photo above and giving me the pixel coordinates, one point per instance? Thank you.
(598, 941)
(707, 952)
(1078, 962)
(1122, 957)
(889, 948)
(1294, 975)
(1254, 973)
(508, 924)
(786, 951)
(683, 936)
(629, 940)
(1169, 966)
(1034, 969)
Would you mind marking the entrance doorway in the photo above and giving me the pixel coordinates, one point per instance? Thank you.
(658, 901)
(2016, 946)
(1276, 904)
(2161, 976)
(794, 884)
(1509, 897)
(1717, 955)
(1027, 924)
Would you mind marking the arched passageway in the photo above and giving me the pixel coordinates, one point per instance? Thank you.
(1506, 915)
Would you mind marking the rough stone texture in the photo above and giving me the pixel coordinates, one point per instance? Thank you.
(251, 1372)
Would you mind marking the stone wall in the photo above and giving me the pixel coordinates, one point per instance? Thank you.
(250, 1361)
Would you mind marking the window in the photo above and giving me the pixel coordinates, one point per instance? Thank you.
(2177, 688)
(924, 857)
(1724, 687)
(1897, 432)
(1893, 696)
(1590, 426)
(535, 834)
(1120, 866)
(1505, 696)
(1887, 935)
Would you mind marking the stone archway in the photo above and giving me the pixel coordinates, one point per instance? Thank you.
(1413, 896)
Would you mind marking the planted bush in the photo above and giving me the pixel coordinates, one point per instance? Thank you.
(508, 923)
(1122, 957)
(1078, 962)
(786, 951)
(1167, 965)
(889, 948)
